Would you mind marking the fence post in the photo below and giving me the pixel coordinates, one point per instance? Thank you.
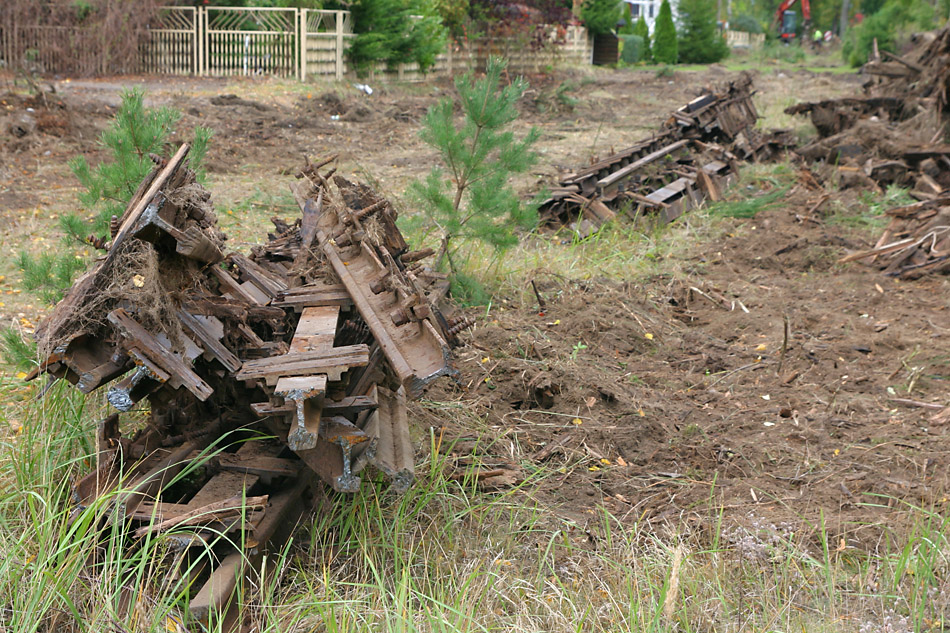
(195, 30)
(200, 41)
(339, 45)
(302, 44)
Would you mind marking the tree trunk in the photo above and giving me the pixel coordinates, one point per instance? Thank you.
(843, 20)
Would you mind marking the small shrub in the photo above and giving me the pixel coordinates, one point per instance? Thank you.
(665, 49)
(632, 49)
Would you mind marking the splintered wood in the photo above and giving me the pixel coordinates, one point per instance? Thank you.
(315, 339)
(693, 157)
(915, 243)
(895, 134)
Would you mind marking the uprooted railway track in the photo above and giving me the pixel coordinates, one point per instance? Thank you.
(691, 158)
(314, 341)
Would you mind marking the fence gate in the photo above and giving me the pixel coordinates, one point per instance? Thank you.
(172, 46)
(324, 35)
(247, 41)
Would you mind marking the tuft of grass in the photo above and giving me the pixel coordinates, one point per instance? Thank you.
(748, 207)
(874, 205)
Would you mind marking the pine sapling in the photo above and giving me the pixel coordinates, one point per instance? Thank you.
(641, 29)
(133, 137)
(471, 200)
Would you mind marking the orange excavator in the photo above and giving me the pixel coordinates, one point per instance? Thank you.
(787, 18)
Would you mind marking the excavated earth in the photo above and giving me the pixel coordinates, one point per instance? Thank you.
(667, 396)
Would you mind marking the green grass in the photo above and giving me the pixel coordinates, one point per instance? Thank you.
(870, 213)
(447, 557)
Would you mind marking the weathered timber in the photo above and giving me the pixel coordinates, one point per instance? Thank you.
(313, 295)
(181, 375)
(416, 352)
(332, 362)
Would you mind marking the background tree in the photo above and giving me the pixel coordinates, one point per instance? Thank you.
(641, 29)
(628, 21)
(746, 22)
(600, 16)
(886, 26)
(699, 39)
(665, 50)
(392, 32)
(470, 200)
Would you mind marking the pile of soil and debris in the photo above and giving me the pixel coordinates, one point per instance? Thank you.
(896, 133)
(762, 379)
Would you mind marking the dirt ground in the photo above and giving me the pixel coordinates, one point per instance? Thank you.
(650, 395)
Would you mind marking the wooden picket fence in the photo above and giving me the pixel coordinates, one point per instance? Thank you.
(743, 39)
(289, 43)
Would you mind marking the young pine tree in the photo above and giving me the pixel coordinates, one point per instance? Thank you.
(699, 38)
(641, 29)
(664, 36)
(471, 201)
(135, 133)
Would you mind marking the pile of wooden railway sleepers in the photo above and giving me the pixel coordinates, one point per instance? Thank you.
(916, 242)
(260, 371)
(896, 132)
(692, 157)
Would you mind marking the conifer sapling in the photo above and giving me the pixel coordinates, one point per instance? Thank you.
(665, 48)
(470, 200)
(136, 133)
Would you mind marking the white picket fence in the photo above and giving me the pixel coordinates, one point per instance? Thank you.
(289, 43)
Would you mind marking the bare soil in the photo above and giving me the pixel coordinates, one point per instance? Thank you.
(640, 395)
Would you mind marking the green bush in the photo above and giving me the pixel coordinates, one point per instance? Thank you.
(664, 36)
(392, 32)
(699, 39)
(600, 16)
(643, 31)
(747, 23)
(632, 49)
(884, 26)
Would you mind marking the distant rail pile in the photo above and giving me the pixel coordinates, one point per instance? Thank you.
(692, 157)
(895, 135)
